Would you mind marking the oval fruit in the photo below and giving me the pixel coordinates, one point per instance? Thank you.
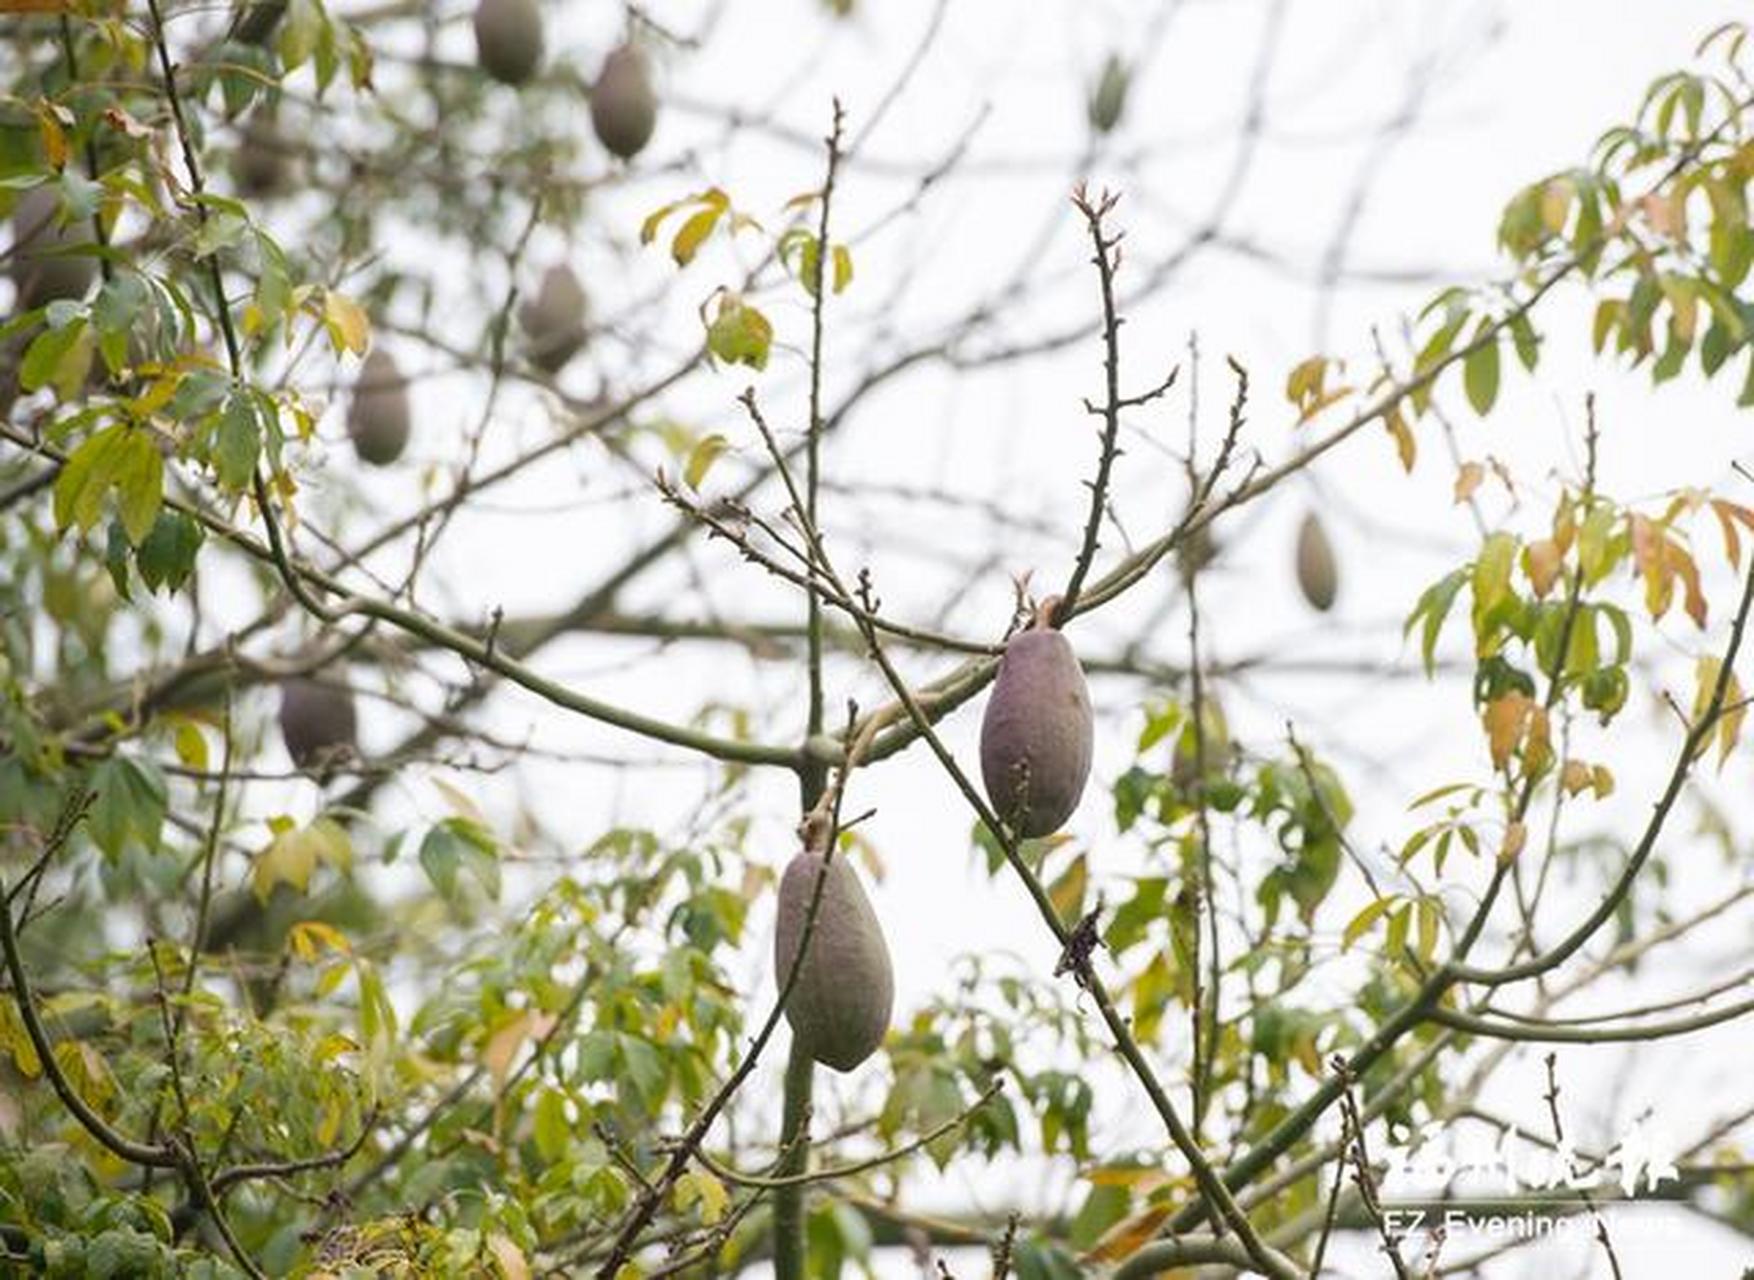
(41, 274)
(624, 107)
(1109, 98)
(1318, 576)
(840, 1004)
(554, 318)
(317, 721)
(508, 39)
(378, 418)
(259, 166)
(1037, 734)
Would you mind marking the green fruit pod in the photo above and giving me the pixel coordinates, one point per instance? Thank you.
(1108, 99)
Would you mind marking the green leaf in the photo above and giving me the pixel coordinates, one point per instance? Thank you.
(128, 804)
(85, 479)
(139, 480)
(1430, 917)
(644, 1068)
(1360, 923)
(1480, 370)
(167, 555)
(1433, 607)
(47, 354)
(552, 1129)
(1492, 576)
(1528, 346)
(459, 845)
(237, 444)
(739, 334)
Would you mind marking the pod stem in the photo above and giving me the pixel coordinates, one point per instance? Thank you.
(1044, 618)
(788, 1199)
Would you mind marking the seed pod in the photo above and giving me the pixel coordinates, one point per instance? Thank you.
(508, 39)
(41, 274)
(840, 1004)
(1109, 98)
(1317, 574)
(554, 318)
(259, 165)
(378, 418)
(317, 722)
(624, 108)
(1037, 734)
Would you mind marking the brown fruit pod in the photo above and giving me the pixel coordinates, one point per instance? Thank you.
(508, 39)
(1318, 574)
(553, 318)
(378, 419)
(624, 106)
(317, 722)
(840, 1004)
(1038, 731)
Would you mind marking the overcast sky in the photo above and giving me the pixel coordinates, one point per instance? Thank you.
(1407, 121)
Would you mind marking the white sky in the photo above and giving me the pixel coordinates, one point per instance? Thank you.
(1509, 92)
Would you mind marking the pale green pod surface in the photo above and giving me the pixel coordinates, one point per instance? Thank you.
(317, 721)
(508, 39)
(1109, 98)
(554, 318)
(378, 418)
(1318, 574)
(41, 274)
(1038, 733)
(624, 106)
(839, 1008)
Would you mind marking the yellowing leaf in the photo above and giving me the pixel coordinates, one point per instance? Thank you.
(1468, 480)
(1541, 562)
(191, 746)
(1504, 719)
(1067, 892)
(308, 937)
(54, 138)
(1360, 923)
(295, 852)
(698, 1187)
(701, 459)
(694, 231)
(508, 1257)
(503, 1045)
(1516, 835)
(349, 328)
(1128, 1236)
(1405, 445)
